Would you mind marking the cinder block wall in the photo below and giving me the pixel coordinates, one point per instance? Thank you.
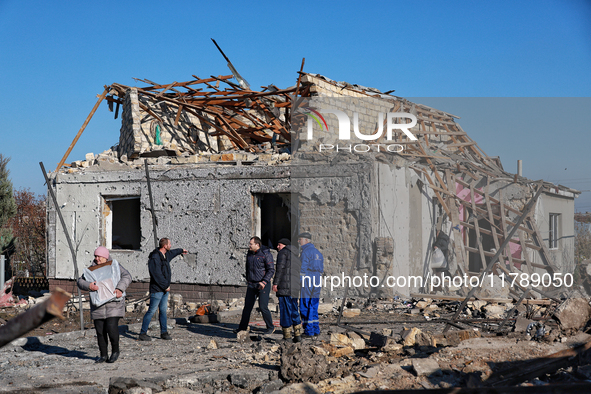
(190, 292)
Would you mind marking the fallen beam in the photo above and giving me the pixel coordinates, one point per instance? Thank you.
(34, 317)
(538, 367)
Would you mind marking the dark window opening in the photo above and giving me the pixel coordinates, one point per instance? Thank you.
(272, 218)
(122, 223)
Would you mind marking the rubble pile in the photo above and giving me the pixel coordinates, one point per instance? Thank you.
(396, 348)
(302, 362)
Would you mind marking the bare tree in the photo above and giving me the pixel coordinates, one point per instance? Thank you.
(28, 228)
(7, 204)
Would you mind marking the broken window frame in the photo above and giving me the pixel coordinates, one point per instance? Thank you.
(107, 214)
(553, 231)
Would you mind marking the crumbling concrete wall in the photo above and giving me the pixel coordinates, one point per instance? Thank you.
(206, 210)
(335, 208)
(403, 215)
(368, 219)
(562, 257)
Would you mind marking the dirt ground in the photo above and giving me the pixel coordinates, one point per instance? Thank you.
(59, 358)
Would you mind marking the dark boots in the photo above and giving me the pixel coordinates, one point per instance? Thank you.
(297, 333)
(287, 334)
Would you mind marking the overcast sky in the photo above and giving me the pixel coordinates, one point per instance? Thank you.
(516, 72)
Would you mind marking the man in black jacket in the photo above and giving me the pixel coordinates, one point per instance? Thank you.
(287, 285)
(160, 277)
(259, 272)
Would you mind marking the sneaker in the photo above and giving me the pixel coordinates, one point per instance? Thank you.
(144, 337)
(166, 336)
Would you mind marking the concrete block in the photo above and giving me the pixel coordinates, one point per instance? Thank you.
(351, 312)
(339, 339)
(422, 304)
(426, 367)
(319, 350)
(343, 351)
(358, 343)
(574, 313)
(212, 345)
(324, 309)
(424, 339)
(494, 311)
(243, 336)
(408, 336)
(392, 347)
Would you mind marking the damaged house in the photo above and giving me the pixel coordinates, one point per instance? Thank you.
(209, 164)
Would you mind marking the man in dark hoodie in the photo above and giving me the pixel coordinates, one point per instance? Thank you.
(160, 276)
(287, 285)
(260, 269)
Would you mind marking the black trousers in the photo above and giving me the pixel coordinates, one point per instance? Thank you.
(251, 296)
(107, 328)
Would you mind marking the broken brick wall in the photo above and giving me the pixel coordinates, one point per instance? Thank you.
(187, 133)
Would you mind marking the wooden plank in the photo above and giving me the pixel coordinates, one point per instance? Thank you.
(493, 261)
(491, 219)
(504, 228)
(540, 367)
(460, 144)
(165, 89)
(472, 147)
(492, 199)
(530, 269)
(178, 115)
(479, 210)
(455, 221)
(300, 77)
(65, 157)
(485, 231)
(149, 111)
(210, 123)
(489, 254)
(243, 144)
(457, 298)
(477, 228)
(441, 201)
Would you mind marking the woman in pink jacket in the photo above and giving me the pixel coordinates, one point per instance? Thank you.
(106, 315)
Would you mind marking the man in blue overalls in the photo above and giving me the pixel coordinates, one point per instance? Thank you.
(311, 275)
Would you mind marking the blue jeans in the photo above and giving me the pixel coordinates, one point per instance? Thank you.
(160, 301)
